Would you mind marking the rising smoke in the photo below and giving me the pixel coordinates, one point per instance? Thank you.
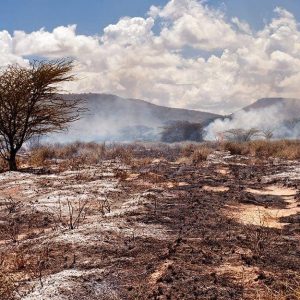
(111, 118)
(277, 118)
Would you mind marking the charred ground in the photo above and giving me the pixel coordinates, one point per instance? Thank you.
(150, 222)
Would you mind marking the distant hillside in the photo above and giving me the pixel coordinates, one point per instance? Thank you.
(139, 111)
(287, 107)
(114, 118)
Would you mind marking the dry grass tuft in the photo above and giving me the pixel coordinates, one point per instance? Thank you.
(3, 165)
(285, 149)
(195, 153)
(77, 154)
(39, 155)
(201, 154)
(291, 293)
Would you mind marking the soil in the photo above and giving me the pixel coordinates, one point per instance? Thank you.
(226, 228)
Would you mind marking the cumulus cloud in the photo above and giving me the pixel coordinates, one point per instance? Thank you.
(189, 23)
(7, 55)
(231, 66)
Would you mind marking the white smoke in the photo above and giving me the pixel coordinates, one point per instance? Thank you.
(110, 118)
(274, 118)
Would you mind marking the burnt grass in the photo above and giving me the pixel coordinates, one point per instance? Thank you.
(204, 239)
(207, 239)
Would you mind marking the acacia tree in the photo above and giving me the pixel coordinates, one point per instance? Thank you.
(179, 131)
(30, 104)
(241, 135)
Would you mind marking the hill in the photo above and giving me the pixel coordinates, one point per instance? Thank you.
(113, 118)
(287, 107)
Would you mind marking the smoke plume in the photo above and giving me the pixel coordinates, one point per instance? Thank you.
(276, 118)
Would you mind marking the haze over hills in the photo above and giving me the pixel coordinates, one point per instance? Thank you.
(139, 111)
(112, 118)
(290, 107)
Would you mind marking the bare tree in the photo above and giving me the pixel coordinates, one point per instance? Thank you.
(30, 104)
(267, 134)
(241, 135)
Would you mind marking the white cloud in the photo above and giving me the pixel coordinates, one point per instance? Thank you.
(7, 55)
(231, 65)
(188, 22)
(129, 31)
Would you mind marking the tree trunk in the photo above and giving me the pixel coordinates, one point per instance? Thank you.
(12, 162)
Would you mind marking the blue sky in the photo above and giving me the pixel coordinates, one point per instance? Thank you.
(92, 16)
(199, 59)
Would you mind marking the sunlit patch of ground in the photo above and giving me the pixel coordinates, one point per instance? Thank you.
(81, 284)
(218, 189)
(268, 217)
(159, 272)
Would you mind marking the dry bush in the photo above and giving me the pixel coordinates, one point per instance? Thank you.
(40, 263)
(236, 148)
(241, 135)
(285, 149)
(187, 150)
(77, 152)
(125, 153)
(194, 153)
(291, 291)
(92, 153)
(12, 205)
(142, 162)
(76, 213)
(67, 151)
(201, 154)
(104, 205)
(39, 155)
(2, 165)
(121, 175)
(72, 218)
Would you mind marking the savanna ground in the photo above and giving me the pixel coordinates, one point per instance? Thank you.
(151, 221)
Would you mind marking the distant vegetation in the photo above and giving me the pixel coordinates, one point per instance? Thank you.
(285, 149)
(241, 135)
(78, 154)
(182, 131)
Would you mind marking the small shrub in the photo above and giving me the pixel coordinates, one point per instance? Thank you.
(2, 165)
(201, 154)
(68, 151)
(241, 135)
(124, 153)
(39, 155)
(285, 149)
(236, 148)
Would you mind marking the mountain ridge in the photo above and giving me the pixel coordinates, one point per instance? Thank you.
(110, 99)
(113, 118)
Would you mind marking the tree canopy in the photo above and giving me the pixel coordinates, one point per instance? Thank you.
(30, 104)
